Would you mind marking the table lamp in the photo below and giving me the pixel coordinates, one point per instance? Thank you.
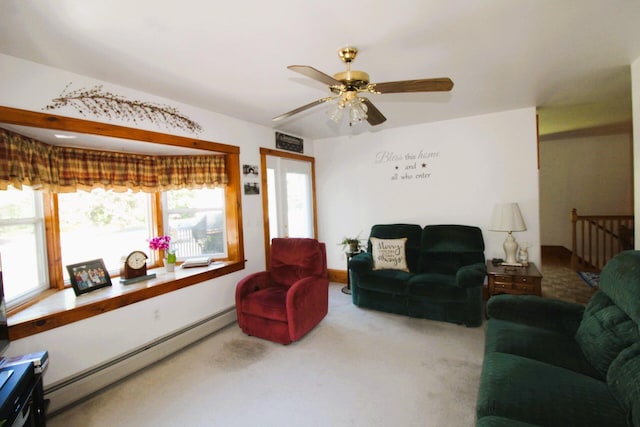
(507, 217)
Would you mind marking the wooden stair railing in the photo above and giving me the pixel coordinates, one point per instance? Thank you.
(598, 238)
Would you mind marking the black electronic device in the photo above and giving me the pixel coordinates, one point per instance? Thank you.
(16, 392)
(39, 359)
(497, 261)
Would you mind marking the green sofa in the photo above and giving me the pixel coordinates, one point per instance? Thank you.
(553, 363)
(443, 278)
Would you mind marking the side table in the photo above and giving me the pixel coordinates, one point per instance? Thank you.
(347, 289)
(526, 280)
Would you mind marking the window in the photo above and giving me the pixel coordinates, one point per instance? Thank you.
(46, 246)
(22, 244)
(195, 220)
(103, 224)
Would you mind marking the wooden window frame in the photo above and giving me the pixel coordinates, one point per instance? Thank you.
(50, 309)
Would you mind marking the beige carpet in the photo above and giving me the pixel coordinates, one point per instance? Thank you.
(561, 282)
(357, 368)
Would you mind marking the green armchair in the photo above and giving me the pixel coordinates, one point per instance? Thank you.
(554, 363)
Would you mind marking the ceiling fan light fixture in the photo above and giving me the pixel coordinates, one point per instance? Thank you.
(336, 113)
(346, 86)
(349, 101)
(358, 111)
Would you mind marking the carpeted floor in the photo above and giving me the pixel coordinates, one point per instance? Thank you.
(565, 284)
(357, 368)
(559, 280)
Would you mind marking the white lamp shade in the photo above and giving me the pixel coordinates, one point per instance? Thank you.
(507, 217)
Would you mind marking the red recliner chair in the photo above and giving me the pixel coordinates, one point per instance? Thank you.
(287, 301)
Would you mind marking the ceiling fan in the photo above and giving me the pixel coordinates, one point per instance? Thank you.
(348, 85)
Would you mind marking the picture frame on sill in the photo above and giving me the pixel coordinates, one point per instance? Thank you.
(88, 276)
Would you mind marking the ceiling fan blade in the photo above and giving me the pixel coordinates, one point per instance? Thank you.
(441, 84)
(374, 116)
(301, 109)
(315, 74)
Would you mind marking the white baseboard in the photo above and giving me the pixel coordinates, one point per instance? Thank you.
(70, 391)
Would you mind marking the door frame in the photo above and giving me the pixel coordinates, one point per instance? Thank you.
(264, 152)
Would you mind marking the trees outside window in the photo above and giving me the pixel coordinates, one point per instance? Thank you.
(195, 221)
(102, 224)
(22, 248)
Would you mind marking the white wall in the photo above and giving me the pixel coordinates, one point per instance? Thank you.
(82, 345)
(592, 174)
(477, 162)
(480, 161)
(635, 99)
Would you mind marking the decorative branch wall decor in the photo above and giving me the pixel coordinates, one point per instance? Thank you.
(102, 103)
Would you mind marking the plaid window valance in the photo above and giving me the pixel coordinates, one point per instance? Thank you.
(25, 161)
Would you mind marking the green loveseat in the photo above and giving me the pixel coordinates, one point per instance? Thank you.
(553, 363)
(443, 279)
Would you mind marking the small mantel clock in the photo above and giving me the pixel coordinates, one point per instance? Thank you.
(134, 268)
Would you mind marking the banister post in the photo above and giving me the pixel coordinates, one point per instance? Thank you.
(574, 239)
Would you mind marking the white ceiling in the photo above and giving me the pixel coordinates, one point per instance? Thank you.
(570, 58)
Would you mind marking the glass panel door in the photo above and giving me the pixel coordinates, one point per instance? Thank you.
(290, 197)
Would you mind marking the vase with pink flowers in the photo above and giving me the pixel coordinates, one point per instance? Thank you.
(163, 243)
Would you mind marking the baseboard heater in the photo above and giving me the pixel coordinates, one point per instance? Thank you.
(82, 386)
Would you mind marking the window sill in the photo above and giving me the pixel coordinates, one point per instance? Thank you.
(64, 307)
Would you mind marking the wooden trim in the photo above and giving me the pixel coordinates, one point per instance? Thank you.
(264, 152)
(233, 205)
(285, 154)
(313, 198)
(37, 320)
(538, 139)
(31, 301)
(40, 319)
(51, 121)
(338, 276)
(265, 207)
(52, 236)
(157, 225)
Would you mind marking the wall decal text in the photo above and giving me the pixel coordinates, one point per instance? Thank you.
(408, 166)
